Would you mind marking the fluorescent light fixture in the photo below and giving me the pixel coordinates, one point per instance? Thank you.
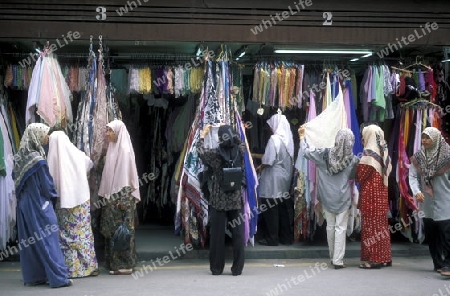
(323, 51)
(444, 61)
(354, 60)
(241, 52)
(367, 55)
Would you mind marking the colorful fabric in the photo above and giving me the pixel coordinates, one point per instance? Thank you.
(76, 240)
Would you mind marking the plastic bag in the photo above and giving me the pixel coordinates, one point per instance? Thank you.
(121, 239)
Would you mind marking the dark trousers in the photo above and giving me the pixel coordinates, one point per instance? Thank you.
(434, 242)
(278, 220)
(444, 236)
(218, 221)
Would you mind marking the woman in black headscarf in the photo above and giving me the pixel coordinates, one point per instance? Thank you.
(224, 203)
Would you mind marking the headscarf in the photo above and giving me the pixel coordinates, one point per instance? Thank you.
(340, 156)
(228, 144)
(30, 151)
(435, 160)
(68, 166)
(375, 151)
(120, 165)
(282, 130)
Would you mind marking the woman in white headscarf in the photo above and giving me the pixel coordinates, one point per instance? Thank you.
(120, 189)
(69, 167)
(41, 258)
(336, 167)
(429, 179)
(276, 177)
(372, 175)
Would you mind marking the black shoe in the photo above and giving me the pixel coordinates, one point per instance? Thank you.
(265, 243)
(340, 266)
(216, 272)
(236, 273)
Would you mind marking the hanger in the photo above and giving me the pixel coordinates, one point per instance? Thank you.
(419, 101)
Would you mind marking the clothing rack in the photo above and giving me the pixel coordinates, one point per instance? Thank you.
(419, 103)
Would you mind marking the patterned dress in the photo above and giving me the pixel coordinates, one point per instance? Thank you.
(111, 219)
(77, 241)
(375, 234)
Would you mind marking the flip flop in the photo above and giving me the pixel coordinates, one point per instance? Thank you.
(121, 272)
(370, 265)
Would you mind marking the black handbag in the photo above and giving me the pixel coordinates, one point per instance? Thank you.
(232, 177)
(121, 239)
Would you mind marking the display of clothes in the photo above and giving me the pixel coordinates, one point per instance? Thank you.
(9, 144)
(18, 76)
(217, 105)
(48, 93)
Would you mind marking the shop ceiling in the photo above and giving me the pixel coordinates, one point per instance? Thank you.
(161, 29)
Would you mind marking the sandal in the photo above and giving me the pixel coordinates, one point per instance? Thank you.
(386, 264)
(370, 265)
(121, 272)
(94, 273)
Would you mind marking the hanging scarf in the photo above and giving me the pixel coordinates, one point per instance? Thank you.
(282, 130)
(375, 151)
(340, 156)
(434, 161)
(30, 150)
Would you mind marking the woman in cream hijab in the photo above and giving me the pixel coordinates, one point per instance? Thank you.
(372, 175)
(120, 189)
(69, 167)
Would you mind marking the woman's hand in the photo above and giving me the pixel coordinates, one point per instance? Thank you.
(301, 132)
(420, 197)
(205, 130)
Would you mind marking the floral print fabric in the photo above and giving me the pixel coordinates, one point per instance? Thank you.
(77, 240)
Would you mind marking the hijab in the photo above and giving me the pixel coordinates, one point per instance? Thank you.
(31, 150)
(120, 165)
(68, 166)
(228, 144)
(340, 156)
(282, 130)
(375, 151)
(435, 160)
